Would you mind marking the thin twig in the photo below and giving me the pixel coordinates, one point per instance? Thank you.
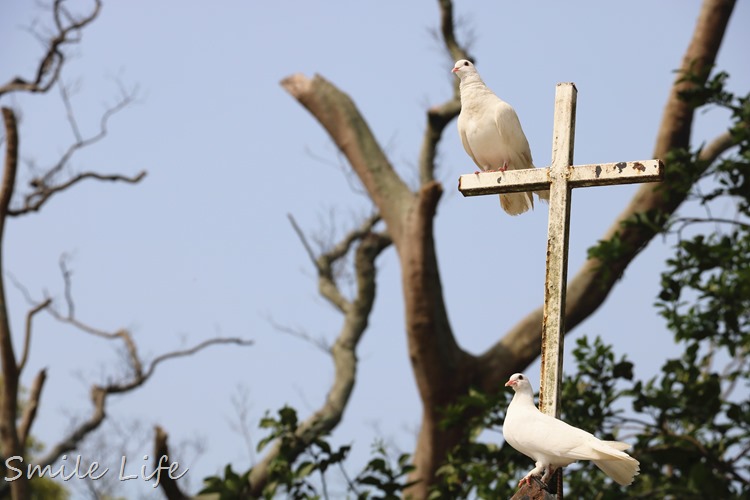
(303, 239)
(192, 350)
(320, 342)
(43, 194)
(126, 99)
(686, 221)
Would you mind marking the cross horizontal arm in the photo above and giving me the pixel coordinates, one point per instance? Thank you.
(624, 172)
(510, 181)
(533, 179)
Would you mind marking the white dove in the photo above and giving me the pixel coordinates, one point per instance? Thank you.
(552, 442)
(492, 135)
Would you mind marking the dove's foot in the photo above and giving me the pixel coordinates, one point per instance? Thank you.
(536, 472)
(525, 480)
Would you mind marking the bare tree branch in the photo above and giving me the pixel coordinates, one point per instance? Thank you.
(438, 117)
(68, 31)
(43, 194)
(32, 404)
(168, 485)
(193, 350)
(342, 248)
(45, 186)
(324, 264)
(71, 441)
(9, 439)
(27, 334)
(303, 239)
(99, 393)
(126, 98)
(447, 29)
(721, 144)
(343, 351)
(11, 164)
(686, 221)
(320, 342)
(340, 117)
(242, 407)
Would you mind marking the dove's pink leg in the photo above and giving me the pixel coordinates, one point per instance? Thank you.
(534, 472)
(547, 474)
(501, 169)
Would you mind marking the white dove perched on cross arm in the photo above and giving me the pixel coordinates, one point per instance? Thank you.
(552, 442)
(492, 135)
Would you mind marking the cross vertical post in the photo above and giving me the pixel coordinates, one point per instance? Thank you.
(553, 318)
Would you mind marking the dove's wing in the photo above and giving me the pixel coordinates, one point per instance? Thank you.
(465, 142)
(542, 434)
(511, 133)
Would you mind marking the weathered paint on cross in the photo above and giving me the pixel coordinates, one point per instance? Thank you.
(559, 178)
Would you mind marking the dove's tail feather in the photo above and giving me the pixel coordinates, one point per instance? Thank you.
(621, 470)
(543, 195)
(516, 203)
(617, 445)
(615, 463)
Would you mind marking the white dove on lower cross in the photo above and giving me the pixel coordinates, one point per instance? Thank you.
(550, 442)
(492, 135)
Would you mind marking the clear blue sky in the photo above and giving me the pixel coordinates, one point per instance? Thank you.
(203, 247)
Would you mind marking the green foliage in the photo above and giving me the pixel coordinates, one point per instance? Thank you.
(47, 489)
(301, 459)
(471, 469)
(232, 486)
(385, 478)
(704, 91)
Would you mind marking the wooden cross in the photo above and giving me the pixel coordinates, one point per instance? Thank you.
(559, 178)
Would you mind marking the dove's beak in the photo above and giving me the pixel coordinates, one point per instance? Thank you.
(454, 70)
(510, 383)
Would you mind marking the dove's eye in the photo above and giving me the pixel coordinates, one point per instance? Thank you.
(466, 63)
(520, 377)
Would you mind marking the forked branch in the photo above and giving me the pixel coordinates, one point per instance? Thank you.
(46, 185)
(137, 376)
(168, 485)
(67, 31)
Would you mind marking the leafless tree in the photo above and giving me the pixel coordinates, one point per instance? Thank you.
(442, 369)
(16, 422)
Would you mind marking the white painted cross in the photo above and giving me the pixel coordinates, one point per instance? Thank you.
(560, 178)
